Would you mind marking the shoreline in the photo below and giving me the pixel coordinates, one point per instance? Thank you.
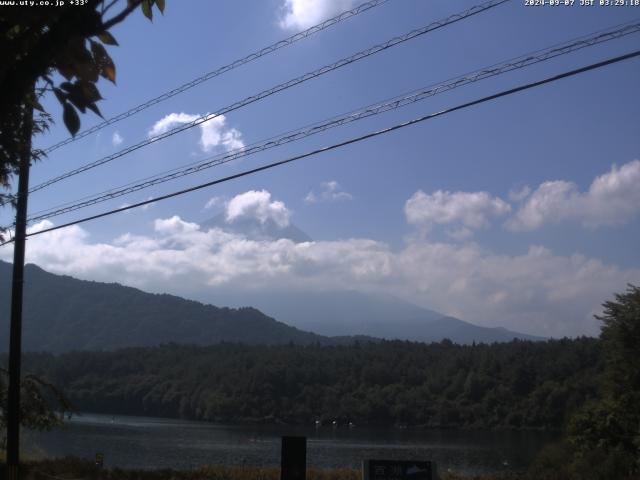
(71, 468)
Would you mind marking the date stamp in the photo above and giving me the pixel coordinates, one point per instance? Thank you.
(581, 3)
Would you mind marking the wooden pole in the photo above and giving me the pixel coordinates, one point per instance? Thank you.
(15, 338)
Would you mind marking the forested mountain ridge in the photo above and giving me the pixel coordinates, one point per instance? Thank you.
(62, 313)
(507, 385)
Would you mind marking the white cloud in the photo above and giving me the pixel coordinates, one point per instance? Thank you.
(612, 199)
(257, 205)
(302, 14)
(143, 207)
(213, 132)
(148, 205)
(517, 195)
(214, 202)
(536, 292)
(471, 210)
(169, 122)
(116, 139)
(329, 192)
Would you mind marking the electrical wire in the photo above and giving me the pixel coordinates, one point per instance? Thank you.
(278, 88)
(383, 131)
(221, 70)
(371, 110)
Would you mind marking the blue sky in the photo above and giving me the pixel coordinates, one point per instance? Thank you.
(523, 212)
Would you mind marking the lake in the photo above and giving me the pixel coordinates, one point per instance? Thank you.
(150, 443)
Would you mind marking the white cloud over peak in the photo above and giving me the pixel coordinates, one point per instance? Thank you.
(470, 210)
(259, 206)
(612, 199)
(213, 132)
(302, 14)
(330, 191)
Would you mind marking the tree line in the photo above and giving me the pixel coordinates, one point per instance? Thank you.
(520, 384)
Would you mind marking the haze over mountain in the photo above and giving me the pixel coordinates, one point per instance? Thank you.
(344, 313)
(62, 313)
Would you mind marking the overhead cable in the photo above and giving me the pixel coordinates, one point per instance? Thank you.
(278, 88)
(371, 110)
(384, 131)
(221, 70)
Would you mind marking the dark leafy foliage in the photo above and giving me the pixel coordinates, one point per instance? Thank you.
(607, 430)
(512, 385)
(35, 44)
(42, 404)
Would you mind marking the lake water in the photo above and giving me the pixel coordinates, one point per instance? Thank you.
(149, 443)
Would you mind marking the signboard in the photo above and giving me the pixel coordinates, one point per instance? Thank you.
(293, 464)
(398, 470)
(99, 460)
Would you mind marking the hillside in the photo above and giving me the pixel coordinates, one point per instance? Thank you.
(62, 313)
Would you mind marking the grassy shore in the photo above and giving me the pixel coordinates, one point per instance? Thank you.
(76, 469)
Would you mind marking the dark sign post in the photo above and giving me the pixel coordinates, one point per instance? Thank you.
(398, 470)
(293, 465)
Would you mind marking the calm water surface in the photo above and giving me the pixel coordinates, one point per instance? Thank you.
(149, 443)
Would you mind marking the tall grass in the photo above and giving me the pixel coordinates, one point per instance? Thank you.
(70, 468)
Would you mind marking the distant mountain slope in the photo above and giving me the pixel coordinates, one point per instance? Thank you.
(350, 313)
(62, 313)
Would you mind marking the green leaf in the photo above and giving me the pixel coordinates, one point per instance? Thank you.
(32, 101)
(109, 72)
(60, 95)
(71, 118)
(78, 100)
(90, 91)
(146, 9)
(65, 70)
(160, 4)
(104, 62)
(107, 38)
(94, 108)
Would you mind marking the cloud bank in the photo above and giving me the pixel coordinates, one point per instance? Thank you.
(462, 211)
(612, 199)
(302, 14)
(535, 292)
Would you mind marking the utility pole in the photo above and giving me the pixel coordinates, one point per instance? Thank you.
(15, 339)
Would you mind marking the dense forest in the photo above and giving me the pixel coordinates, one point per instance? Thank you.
(519, 384)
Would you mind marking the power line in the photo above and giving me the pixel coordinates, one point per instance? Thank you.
(269, 166)
(371, 110)
(278, 88)
(221, 70)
